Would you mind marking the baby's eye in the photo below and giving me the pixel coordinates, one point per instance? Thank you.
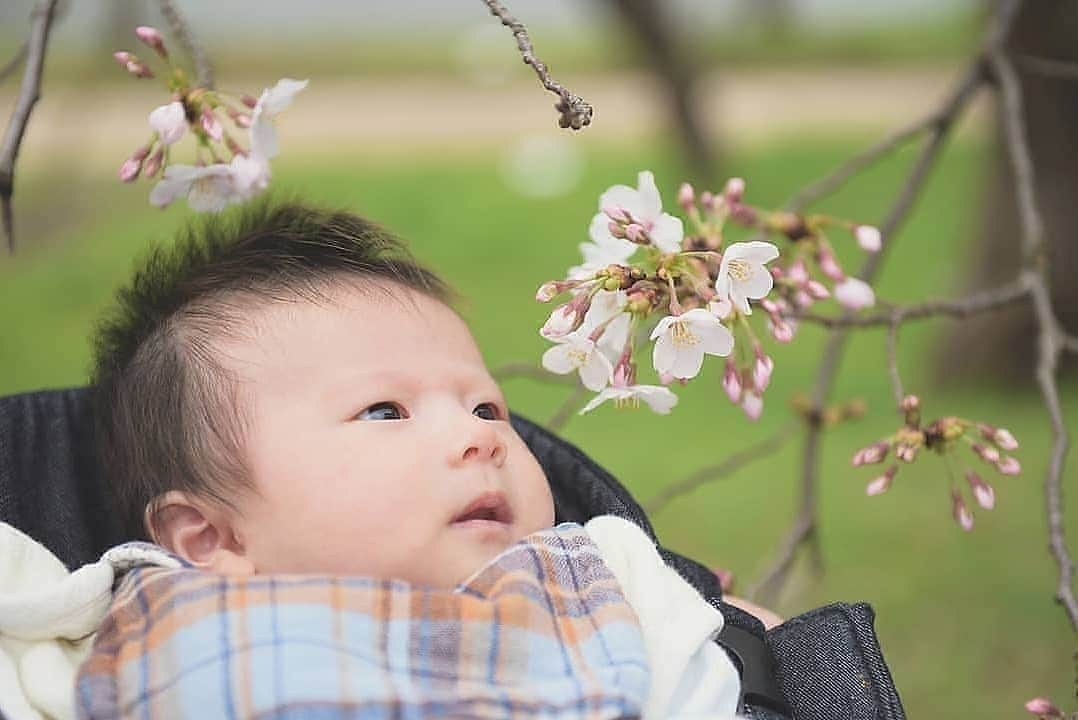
(383, 411)
(487, 411)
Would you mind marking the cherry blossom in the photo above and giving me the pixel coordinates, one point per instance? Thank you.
(270, 104)
(855, 294)
(742, 275)
(207, 189)
(576, 352)
(658, 398)
(681, 342)
(642, 206)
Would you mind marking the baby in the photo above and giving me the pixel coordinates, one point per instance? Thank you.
(287, 392)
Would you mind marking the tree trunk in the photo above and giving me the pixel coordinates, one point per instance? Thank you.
(1002, 347)
(651, 23)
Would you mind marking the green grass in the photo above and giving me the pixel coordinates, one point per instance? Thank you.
(967, 621)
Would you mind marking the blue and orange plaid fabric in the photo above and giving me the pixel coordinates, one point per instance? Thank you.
(542, 632)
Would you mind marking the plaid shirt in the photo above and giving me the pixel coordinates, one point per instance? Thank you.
(542, 632)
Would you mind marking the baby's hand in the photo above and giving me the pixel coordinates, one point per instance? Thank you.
(768, 618)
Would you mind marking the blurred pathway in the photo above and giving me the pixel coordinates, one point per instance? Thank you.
(97, 127)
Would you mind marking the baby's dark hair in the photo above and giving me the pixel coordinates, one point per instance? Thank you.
(169, 414)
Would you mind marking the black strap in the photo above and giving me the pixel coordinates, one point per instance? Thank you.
(753, 659)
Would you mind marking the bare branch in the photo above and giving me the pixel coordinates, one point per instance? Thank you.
(952, 105)
(179, 27)
(1070, 343)
(29, 93)
(804, 526)
(1047, 66)
(558, 420)
(974, 304)
(722, 469)
(14, 63)
(575, 113)
(1050, 335)
(514, 370)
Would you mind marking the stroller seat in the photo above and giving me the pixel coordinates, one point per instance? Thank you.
(823, 665)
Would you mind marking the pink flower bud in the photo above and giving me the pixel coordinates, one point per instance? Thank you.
(982, 491)
(123, 57)
(734, 190)
(151, 37)
(666, 378)
(855, 294)
(731, 382)
(635, 233)
(1000, 436)
(803, 300)
(210, 124)
(1009, 466)
(617, 213)
(753, 405)
(1042, 707)
(829, 266)
(154, 163)
(770, 306)
(623, 373)
(686, 197)
(797, 272)
(989, 455)
(744, 215)
(817, 290)
(782, 330)
(910, 403)
(707, 199)
(906, 453)
(249, 100)
(868, 237)
(547, 292)
(139, 70)
(883, 483)
(242, 120)
(561, 322)
(130, 170)
(616, 229)
(761, 371)
(961, 513)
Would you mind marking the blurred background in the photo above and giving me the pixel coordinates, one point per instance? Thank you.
(421, 116)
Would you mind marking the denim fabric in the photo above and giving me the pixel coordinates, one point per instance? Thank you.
(829, 664)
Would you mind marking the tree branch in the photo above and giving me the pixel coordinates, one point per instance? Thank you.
(722, 469)
(29, 93)
(892, 357)
(575, 113)
(973, 304)
(182, 31)
(804, 526)
(558, 420)
(1050, 335)
(1047, 66)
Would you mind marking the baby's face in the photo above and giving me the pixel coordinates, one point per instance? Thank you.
(379, 444)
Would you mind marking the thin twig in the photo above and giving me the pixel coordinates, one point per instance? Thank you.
(14, 63)
(575, 113)
(182, 31)
(514, 370)
(1050, 336)
(29, 93)
(972, 304)
(722, 469)
(567, 409)
(1047, 66)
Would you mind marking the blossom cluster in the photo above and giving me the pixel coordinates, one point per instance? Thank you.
(989, 444)
(690, 293)
(223, 125)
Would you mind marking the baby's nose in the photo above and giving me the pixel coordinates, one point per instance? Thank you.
(482, 443)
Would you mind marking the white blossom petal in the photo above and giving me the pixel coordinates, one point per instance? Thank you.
(659, 399)
(263, 139)
(648, 195)
(687, 362)
(595, 373)
(664, 355)
(667, 233)
(169, 122)
(758, 284)
(755, 251)
(275, 99)
(558, 360)
(599, 399)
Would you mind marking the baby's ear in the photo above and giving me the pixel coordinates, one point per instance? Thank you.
(197, 531)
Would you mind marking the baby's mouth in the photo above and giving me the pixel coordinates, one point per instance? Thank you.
(490, 507)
